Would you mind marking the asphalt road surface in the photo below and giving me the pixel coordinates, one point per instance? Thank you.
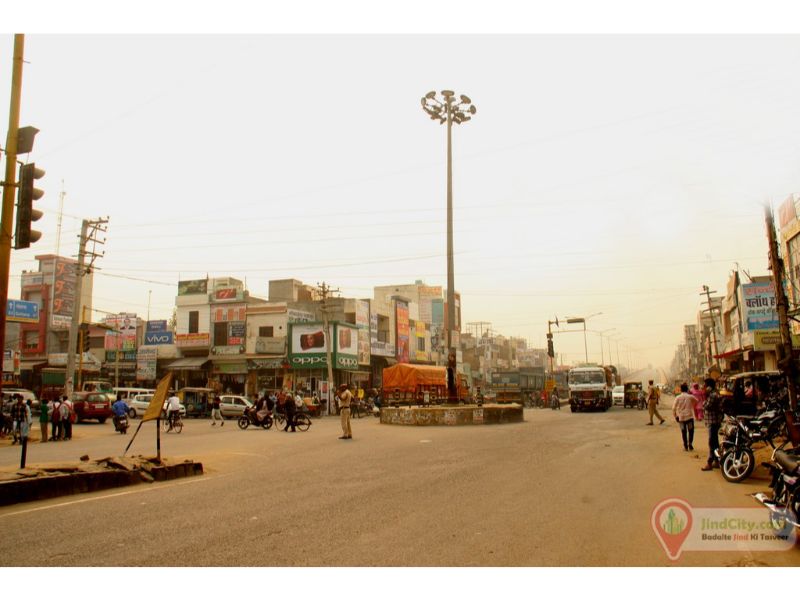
(560, 489)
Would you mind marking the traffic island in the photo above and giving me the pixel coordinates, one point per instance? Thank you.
(51, 481)
(461, 414)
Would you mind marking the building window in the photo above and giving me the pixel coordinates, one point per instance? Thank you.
(421, 344)
(194, 321)
(266, 331)
(221, 334)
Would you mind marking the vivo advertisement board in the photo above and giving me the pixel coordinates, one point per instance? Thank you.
(158, 338)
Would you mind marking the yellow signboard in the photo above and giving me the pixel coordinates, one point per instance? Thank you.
(549, 385)
(159, 397)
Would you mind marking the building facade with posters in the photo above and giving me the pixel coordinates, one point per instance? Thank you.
(749, 325)
(789, 227)
(42, 344)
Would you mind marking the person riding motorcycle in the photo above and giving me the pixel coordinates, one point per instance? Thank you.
(120, 409)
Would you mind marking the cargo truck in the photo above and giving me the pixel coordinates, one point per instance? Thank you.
(590, 388)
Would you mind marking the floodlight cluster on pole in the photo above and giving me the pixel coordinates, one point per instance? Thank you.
(446, 108)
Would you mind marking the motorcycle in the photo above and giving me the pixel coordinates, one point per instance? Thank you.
(250, 417)
(121, 424)
(737, 436)
(784, 502)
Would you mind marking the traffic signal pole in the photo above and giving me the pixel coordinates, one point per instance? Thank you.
(10, 184)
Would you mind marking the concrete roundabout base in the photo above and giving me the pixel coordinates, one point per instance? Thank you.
(452, 414)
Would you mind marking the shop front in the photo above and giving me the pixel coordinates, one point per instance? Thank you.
(266, 374)
(189, 372)
(229, 376)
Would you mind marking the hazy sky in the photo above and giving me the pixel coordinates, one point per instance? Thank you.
(601, 174)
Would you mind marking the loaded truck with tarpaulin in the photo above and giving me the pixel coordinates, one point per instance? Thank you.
(405, 383)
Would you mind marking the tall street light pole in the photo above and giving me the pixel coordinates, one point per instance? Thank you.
(583, 320)
(446, 109)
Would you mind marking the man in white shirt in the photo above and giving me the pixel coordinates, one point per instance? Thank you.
(173, 409)
(683, 411)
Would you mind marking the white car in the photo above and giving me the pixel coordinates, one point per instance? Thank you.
(618, 394)
(233, 406)
(139, 404)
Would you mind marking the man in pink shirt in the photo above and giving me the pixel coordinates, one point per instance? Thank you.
(683, 411)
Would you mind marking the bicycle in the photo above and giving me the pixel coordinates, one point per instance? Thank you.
(176, 425)
(302, 421)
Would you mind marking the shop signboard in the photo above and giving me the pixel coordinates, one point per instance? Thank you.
(156, 326)
(760, 307)
(363, 324)
(229, 313)
(346, 356)
(376, 347)
(192, 340)
(298, 316)
(146, 360)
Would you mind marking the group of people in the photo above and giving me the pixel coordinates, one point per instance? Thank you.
(703, 405)
(60, 413)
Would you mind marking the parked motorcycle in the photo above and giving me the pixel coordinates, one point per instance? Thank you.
(737, 436)
(784, 501)
(121, 424)
(250, 417)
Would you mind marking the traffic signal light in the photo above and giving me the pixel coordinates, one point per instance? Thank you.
(550, 351)
(25, 236)
(84, 335)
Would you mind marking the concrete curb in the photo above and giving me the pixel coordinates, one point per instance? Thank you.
(42, 486)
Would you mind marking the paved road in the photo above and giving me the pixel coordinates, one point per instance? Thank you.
(559, 489)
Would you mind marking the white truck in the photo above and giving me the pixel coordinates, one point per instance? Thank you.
(590, 388)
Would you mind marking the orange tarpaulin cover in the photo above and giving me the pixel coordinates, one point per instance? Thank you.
(404, 376)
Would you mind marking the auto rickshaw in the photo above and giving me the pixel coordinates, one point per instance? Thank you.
(631, 391)
(196, 400)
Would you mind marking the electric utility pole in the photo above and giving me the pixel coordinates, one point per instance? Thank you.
(325, 291)
(89, 229)
(708, 293)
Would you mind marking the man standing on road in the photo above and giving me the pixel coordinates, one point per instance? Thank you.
(290, 408)
(713, 418)
(652, 402)
(683, 411)
(67, 412)
(345, 399)
(18, 418)
(44, 419)
(216, 411)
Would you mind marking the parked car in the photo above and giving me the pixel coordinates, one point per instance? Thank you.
(618, 394)
(233, 406)
(92, 405)
(139, 404)
(26, 395)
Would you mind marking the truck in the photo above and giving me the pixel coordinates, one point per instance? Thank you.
(590, 387)
(409, 384)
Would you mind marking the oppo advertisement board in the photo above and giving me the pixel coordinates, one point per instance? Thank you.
(307, 345)
(346, 356)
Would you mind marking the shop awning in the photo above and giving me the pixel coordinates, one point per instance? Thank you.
(188, 364)
(730, 354)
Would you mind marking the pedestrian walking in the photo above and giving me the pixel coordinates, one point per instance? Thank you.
(44, 419)
(290, 409)
(700, 399)
(683, 411)
(652, 402)
(56, 420)
(713, 418)
(67, 415)
(345, 399)
(19, 416)
(216, 412)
